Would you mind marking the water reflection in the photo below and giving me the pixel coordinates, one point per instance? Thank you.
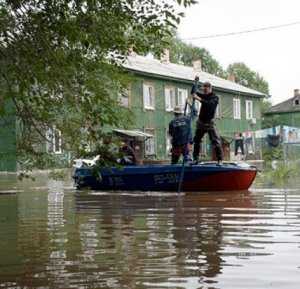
(9, 258)
(164, 236)
(54, 237)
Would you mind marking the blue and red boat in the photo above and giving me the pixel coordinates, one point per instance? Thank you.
(202, 177)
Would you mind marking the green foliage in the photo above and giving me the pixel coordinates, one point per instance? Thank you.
(267, 120)
(266, 105)
(181, 52)
(271, 154)
(61, 63)
(247, 77)
(281, 173)
(271, 120)
(57, 175)
(29, 160)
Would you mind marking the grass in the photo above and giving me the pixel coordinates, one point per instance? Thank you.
(280, 172)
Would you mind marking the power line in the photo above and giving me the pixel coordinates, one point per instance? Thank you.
(243, 31)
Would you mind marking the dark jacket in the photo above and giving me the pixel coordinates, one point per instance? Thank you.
(209, 105)
(180, 131)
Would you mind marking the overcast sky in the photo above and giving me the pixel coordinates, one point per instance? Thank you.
(275, 54)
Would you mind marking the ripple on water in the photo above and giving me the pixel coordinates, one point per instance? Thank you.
(54, 237)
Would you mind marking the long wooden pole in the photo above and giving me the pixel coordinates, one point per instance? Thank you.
(192, 108)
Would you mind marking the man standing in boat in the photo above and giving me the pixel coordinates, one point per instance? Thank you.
(206, 124)
(180, 132)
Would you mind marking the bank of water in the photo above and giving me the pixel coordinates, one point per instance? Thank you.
(52, 236)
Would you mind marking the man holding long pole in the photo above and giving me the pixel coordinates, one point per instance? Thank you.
(179, 130)
(206, 124)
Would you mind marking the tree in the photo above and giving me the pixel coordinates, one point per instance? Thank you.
(181, 52)
(247, 77)
(61, 63)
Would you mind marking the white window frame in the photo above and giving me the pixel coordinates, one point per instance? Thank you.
(236, 108)
(150, 143)
(148, 99)
(124, 97)
(51, 144)
(182, 95)
(249, 109)
(170, 98)
(197, 107)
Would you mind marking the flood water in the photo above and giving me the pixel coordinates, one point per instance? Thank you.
(52, 236)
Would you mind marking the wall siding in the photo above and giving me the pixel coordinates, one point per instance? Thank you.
(159, 118)
(287, 118)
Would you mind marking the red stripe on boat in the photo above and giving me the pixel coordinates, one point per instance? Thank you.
(223, 181)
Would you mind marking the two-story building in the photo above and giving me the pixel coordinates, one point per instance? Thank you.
(159, 86)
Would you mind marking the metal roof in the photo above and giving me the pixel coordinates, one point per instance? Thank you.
(286, 106)
(177, 71)
(133, 133)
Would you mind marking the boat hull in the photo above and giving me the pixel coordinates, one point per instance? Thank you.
(203, 177)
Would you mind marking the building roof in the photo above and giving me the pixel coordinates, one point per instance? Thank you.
(155, 67)
(286, 106)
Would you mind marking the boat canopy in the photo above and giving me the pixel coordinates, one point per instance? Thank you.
(134, 134)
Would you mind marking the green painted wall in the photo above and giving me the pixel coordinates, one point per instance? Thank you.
(226, 124)
(159, 118)
(286, 118)
(8, 157)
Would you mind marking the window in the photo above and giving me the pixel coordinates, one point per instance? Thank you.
(197, 107)
(150, 143)
(124, 97)
(148, 96)
(236, 108)
(181, 97)
(296, 101)
(249, 109)
(54, 141)
(170, 98)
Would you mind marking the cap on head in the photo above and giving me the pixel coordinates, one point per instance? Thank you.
(177, 110)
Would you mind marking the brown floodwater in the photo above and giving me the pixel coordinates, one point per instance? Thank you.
(52, 236)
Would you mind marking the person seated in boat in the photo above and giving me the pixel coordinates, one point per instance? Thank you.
(128, 157)
(205, 123)
(180, 132)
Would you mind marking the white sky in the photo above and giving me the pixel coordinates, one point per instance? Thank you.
(275, 54)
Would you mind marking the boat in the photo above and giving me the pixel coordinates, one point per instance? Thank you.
(208, 176)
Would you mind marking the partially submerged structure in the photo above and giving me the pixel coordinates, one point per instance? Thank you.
(160, 85)
(157, 87)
